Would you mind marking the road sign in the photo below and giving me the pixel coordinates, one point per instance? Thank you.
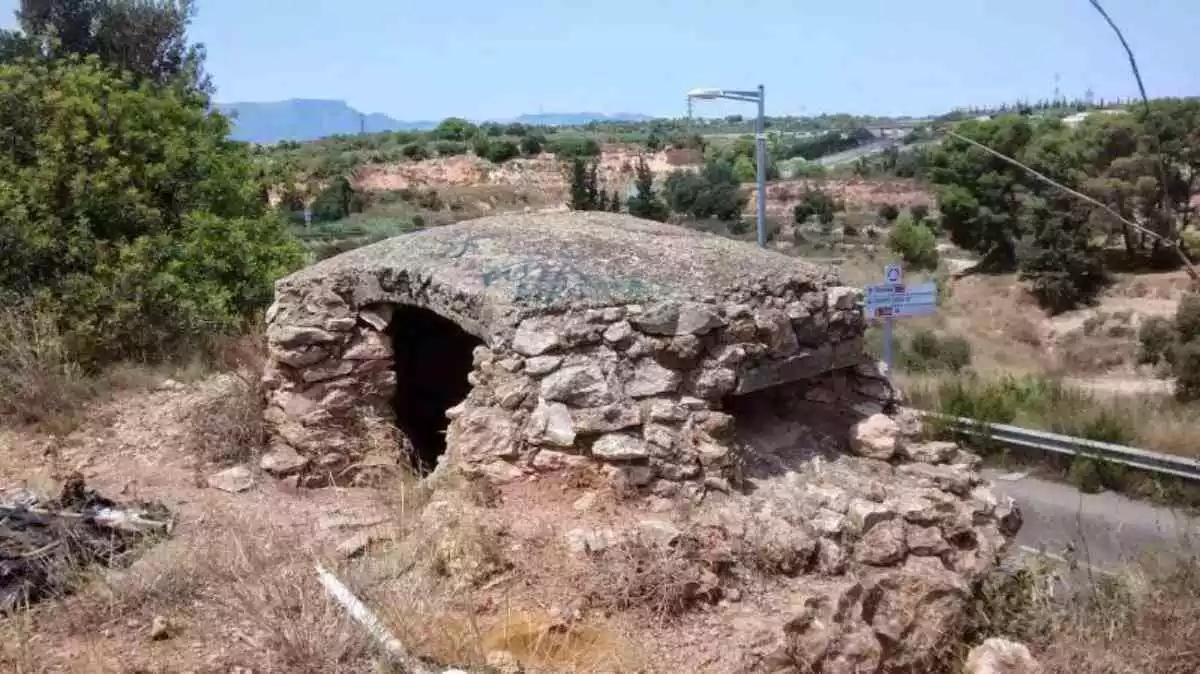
(892, 299)
(887, 300)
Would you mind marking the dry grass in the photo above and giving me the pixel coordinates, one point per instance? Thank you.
(229, 427)
(660, 580)
(248, 593)
(39, 383)
(1150, 421)
(1145, 620)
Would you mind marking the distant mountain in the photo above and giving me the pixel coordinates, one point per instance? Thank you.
(577, 118)
(307, 119)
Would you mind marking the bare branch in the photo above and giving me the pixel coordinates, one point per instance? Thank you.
(1161, 164)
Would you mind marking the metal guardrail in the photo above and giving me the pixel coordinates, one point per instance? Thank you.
(1024, 438)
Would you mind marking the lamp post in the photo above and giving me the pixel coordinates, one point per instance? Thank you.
(760, 142)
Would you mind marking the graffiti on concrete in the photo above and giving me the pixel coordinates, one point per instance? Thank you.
(546, 280)
(540, 278)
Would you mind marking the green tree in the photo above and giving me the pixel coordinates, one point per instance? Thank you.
(979, 194)
(715, 192)
(531, 145)
(337, 201)
(914, 243)
(1057, 257)
(455, 128)
(645, 203)
(143, 237)
(146, 38)
(585, 190)
(743, 168)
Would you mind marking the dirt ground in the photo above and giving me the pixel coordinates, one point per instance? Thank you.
(235, 583)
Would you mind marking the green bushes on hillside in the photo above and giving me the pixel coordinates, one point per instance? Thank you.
(127, 214)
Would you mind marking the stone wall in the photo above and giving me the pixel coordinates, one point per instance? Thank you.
(641, 390)
(637, 389)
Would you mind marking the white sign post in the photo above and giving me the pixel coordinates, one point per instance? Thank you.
(892, 299)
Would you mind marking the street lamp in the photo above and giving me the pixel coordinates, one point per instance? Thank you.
(760, 143)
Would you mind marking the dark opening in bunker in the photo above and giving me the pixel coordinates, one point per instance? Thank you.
(433, 358)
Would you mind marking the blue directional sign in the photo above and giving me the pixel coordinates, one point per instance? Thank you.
(896, 300)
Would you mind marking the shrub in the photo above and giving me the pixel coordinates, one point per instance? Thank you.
(338, 200)
(919, 212)
(449, 148)
(814, 202)
(926, 352)
(914, 243)
(1187, 371)
(500, 151)
(713, 193)
(569, 147)
(1155, 338)
(889, 212)
(415, 151)
(154, 238)
(1187, 318)
(531, 145)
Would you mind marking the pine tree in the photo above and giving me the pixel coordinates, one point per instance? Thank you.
(644, 203)
(579, 177)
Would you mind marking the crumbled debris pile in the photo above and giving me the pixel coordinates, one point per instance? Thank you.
(44, 544)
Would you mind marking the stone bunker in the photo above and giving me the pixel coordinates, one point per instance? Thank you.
(528, 343)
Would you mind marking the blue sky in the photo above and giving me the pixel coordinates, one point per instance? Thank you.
(489, 59)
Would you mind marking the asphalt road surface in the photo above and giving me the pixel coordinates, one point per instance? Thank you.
(1104, 531)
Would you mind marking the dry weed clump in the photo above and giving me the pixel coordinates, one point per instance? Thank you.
(240, 582)
(228, 426)
(662, 579)
(1145, 620)
(39, 382)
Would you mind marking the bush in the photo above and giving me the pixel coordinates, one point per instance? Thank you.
(814, 202)
(715, 192)
(927, 352)
(415, 151)
(337, 201)
(1155, 339)
(500, 151)
(1187, 318)
(570, 147)
(449, 148)
(914, 243)
(889, 212)
(531, 145)
(155, 238)
(919, 212)
(1187, 371)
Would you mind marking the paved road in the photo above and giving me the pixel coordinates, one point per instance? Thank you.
(1106, 530)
